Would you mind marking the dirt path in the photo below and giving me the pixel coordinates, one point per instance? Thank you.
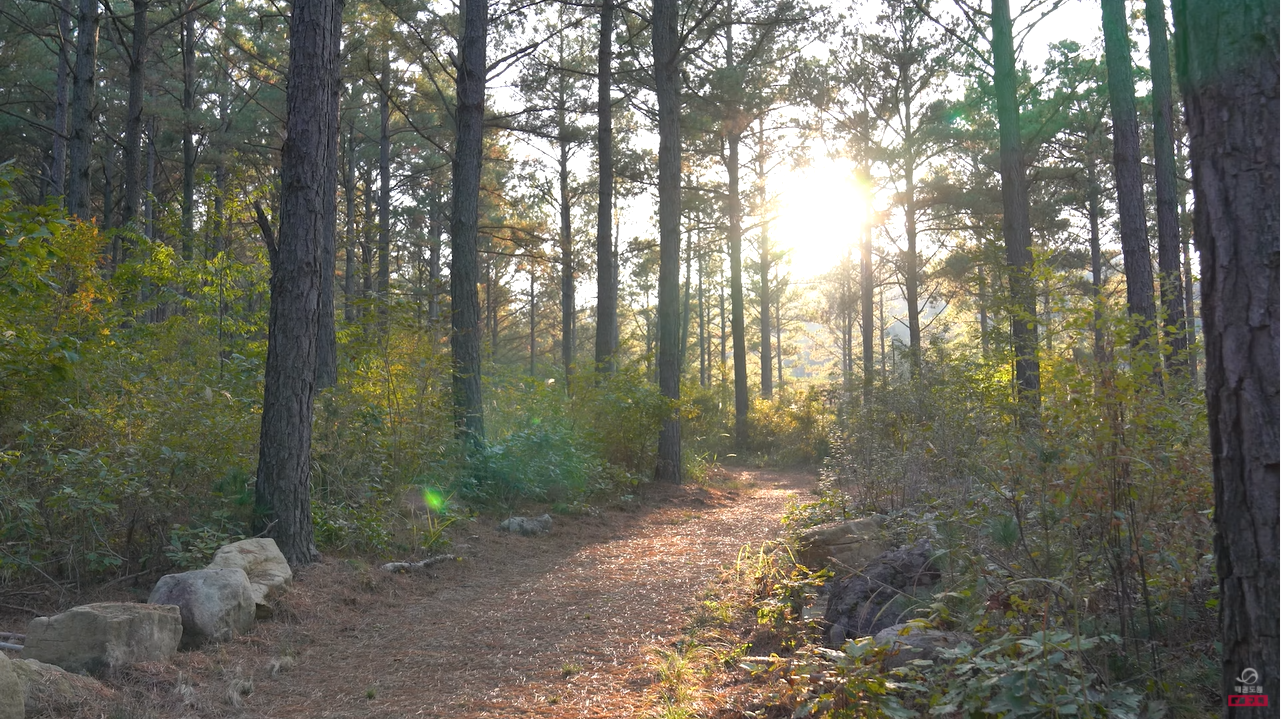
(553, 626)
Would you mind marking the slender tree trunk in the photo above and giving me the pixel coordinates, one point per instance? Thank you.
(667, 79)
(1129, 172)
(464, 274)
(349, 227)
(778, 336)
(865, 287)
(606, 275)
(1227, 54)
(133, 115)
(685, 309)
(704, 376)
(734, 211)
(433, 256)
(1096, 261)
(308, 210)
(58, 161)
(911, 260)
(108, 191)
(1189, 317)
(533, 320)
(383, 287)
(767, 359)
(1016, 224)
(1167, 201)
(188, 131)
(723, 333)
(567, 299)
(81, 134)
(149, 200)
(368, 229)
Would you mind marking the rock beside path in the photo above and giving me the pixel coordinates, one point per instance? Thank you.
(50, 690)
(843, 547)
(268, 571)
(216, 604)
(908, 642)
(878, 597)
(11, 695)
(525, 526)
(95, 638)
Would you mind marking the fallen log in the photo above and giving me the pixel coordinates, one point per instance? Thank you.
(404, 567)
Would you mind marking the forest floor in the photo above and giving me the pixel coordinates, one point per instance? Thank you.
(560, 625)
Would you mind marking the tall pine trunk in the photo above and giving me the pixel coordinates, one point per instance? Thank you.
(1016, 225)
(464, 274)
(349, 227)
(383, 282)
(567, 300)
(667, 80)
(767, 359)
(58, 159)
(1227, 56)
(434, 232)
(867, 304)
(133, 115)
(738, 332)
(308, 211)
(606, 275)
(1167, 200)
(81, 120)
(1129, 172)
(188, 131)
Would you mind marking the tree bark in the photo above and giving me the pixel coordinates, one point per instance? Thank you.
(133, 115)
(1227, 56)
(686, 304)
(188, 130)
(911, 261)
(58, 161)
(738, 332)
(383, 283)
(567, 300)
(767, 359)
(606, 276)
(435, 231)
(667, 80)
(1129, 172)
(349, 227)
(308, 209)
(1167, 201)
(464, 274)
(81, 120)
(868, 305)
(1016, 224)
(1096, 260)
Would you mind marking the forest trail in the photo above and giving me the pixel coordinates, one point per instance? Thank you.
(560, 625)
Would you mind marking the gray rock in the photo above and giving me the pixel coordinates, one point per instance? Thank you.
(881, 595)
(843, 547)
(216, 604)
(50, 690)
(269, 573)
(526, 526)
(96, 638)
(916, 643)
(11, 695)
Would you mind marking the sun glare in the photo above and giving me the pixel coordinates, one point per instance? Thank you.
(820, 211)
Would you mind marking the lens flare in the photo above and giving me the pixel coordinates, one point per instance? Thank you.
(434, 500)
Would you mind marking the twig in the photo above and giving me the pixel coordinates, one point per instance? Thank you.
(11, 635)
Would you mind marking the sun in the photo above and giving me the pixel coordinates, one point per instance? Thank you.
(820, 210)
